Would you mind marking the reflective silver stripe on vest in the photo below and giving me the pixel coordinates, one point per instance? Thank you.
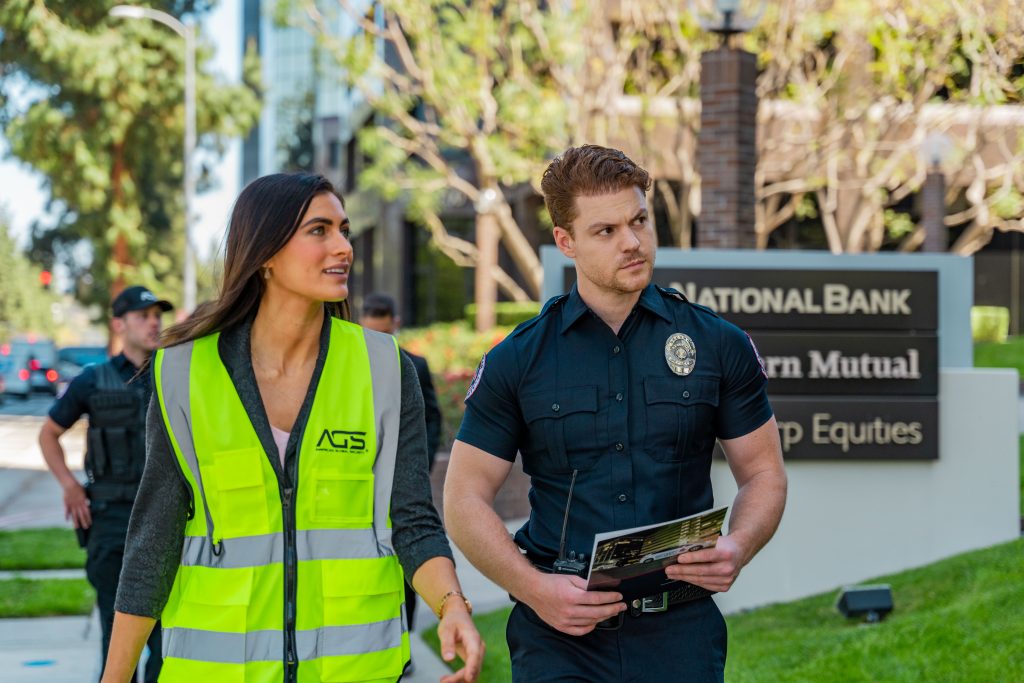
(174, 387)
(254, 551)
(337, 641)
(221, 647)
(266, 646)
(386, 373)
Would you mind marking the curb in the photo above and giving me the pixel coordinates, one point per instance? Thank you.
(42, 574)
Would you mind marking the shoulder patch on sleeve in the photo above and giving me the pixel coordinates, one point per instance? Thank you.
(479, 374)
(673, 293)
(757, 355)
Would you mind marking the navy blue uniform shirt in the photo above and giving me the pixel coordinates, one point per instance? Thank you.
(570, 395)
(74, 402)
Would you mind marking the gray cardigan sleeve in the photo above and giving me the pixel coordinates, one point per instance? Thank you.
(418, 535)
(157, 527)
(156, 530)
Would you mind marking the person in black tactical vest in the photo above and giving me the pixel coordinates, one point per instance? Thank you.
(115, 396)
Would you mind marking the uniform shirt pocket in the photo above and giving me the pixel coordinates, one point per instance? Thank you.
(680, 415)
(562, 430)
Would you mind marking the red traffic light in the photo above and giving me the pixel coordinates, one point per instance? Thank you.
(23, 375)
(34, 365)
(45, 277)
(51, 375)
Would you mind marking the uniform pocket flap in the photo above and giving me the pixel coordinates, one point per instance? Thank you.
(210, 586)
(345, 578)
(238, 469)
(681, 390)
(560, 403)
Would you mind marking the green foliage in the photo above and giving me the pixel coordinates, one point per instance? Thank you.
(24, 303)
(20, 598)
(989, 323)
(40, 549)
(508, 312)
(453, 351)
(953, 620)
(99, 112)
(1008, 203)
(898, 224)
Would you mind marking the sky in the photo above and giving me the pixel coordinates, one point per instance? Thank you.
(22, 195)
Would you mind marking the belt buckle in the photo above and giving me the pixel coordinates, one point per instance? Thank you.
(654, 603)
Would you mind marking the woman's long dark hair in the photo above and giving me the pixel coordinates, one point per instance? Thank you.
(265, 216)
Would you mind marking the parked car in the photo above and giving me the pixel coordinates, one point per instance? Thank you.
(30, 365)
(71, 360)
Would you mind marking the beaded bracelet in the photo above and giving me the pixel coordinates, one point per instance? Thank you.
(444, 600)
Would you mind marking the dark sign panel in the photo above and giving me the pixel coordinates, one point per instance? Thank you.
(858, 429)
(809, 299)
(851, 355)
(849, 364)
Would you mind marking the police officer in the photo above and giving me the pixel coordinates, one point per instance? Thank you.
(115, 396)
(614, 395)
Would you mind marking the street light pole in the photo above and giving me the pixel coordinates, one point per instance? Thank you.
(186, 31)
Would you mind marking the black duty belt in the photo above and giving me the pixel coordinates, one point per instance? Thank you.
(113, 492)
(659, 602)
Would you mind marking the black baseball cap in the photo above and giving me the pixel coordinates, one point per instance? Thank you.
(137, 298)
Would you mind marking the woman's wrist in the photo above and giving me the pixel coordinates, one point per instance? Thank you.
(454, 599)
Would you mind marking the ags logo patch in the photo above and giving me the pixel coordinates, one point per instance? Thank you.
(342, 440)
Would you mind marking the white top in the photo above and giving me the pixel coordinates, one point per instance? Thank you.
(281, 439)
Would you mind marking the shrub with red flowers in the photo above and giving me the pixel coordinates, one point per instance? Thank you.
(453, 351)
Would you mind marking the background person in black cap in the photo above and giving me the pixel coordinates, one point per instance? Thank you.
(116, 401)
(378, 314)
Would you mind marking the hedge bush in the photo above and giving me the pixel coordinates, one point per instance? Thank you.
(507, 312)
(989, 323)
(453, 351)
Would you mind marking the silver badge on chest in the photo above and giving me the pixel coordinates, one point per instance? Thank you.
(680, 353)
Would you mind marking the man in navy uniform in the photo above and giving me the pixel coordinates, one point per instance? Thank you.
(614, 395)
(115, 396)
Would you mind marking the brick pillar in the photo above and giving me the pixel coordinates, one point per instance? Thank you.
(933, 212)
(727, 149)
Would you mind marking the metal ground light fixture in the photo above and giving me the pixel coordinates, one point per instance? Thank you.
(186, 31)
(870, 603)
(727, 17)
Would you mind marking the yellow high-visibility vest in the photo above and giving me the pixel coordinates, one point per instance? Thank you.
(286, 581)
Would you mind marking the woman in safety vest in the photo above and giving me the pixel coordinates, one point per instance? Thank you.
(285, 495)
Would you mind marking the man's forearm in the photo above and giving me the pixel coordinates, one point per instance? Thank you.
(53, 455)
(757, 510)
(483, 539)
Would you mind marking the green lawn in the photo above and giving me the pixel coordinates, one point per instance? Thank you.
(956, 620)
(40, 549)
(45, 598)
